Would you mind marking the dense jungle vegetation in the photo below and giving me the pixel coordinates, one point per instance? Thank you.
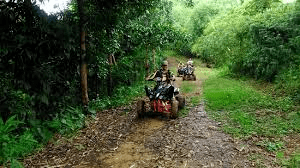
(57, 70)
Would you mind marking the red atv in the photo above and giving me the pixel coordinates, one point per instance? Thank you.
(164, 99)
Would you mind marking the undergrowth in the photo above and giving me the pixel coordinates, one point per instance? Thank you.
(16, 144)
(122, 96)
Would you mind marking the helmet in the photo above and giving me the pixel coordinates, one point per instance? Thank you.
(165, 63)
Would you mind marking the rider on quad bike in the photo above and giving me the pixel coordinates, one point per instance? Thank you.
(180, 69)
(164, 98)
(165, 74)
(189, 71)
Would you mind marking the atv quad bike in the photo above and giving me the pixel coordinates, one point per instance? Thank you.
(164, 99)
(180, 71)
(189, 73)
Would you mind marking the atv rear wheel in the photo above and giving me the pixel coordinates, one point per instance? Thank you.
(174, 108)
(140, 107)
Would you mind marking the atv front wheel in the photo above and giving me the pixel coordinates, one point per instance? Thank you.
(181, 101)
(140, 108)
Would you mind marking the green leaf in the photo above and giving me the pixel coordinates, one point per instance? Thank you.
(11, 124)
(63, 121)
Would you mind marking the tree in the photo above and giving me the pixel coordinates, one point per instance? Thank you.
(83, 64)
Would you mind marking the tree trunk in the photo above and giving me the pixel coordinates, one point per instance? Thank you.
(114, 60)
(97, 83)
(83, 65)
(153, 54)
(147, 66)
(110, 81)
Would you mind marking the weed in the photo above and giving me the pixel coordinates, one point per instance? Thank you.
(271, 146)
(258, 159)
(196, 100)
(279, 154)
(183, 112)
(79, 147)
(188, 87)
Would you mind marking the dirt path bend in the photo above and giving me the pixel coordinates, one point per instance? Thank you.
(122, 141)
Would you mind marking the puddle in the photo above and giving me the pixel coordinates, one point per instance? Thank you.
(128, 155)
(132, 153)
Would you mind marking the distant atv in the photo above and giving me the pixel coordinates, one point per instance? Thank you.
(180, 71)
(164, 99)
(189, 73)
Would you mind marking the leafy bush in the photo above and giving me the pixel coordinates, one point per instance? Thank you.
(122, 95)
(259, 39)
(201, 15)
(288, 82)
(69, 120)
(226, 38)
(269, 54)
(221, 40)
(13, 146)
(39, 71)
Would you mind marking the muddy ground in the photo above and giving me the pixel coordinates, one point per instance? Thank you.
(116, 138)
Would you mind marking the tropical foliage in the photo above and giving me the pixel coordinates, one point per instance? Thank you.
(259, 39)
(40, 64)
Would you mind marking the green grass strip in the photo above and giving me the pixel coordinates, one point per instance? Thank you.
(245, 111)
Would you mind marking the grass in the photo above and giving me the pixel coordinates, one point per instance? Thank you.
(183, 112)
(188, 87)
(246, 111)
(292, 162)
(258, 158)
(174, 70)
(195, 100)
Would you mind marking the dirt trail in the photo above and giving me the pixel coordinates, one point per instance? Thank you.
(117, 140)
(132, 152)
